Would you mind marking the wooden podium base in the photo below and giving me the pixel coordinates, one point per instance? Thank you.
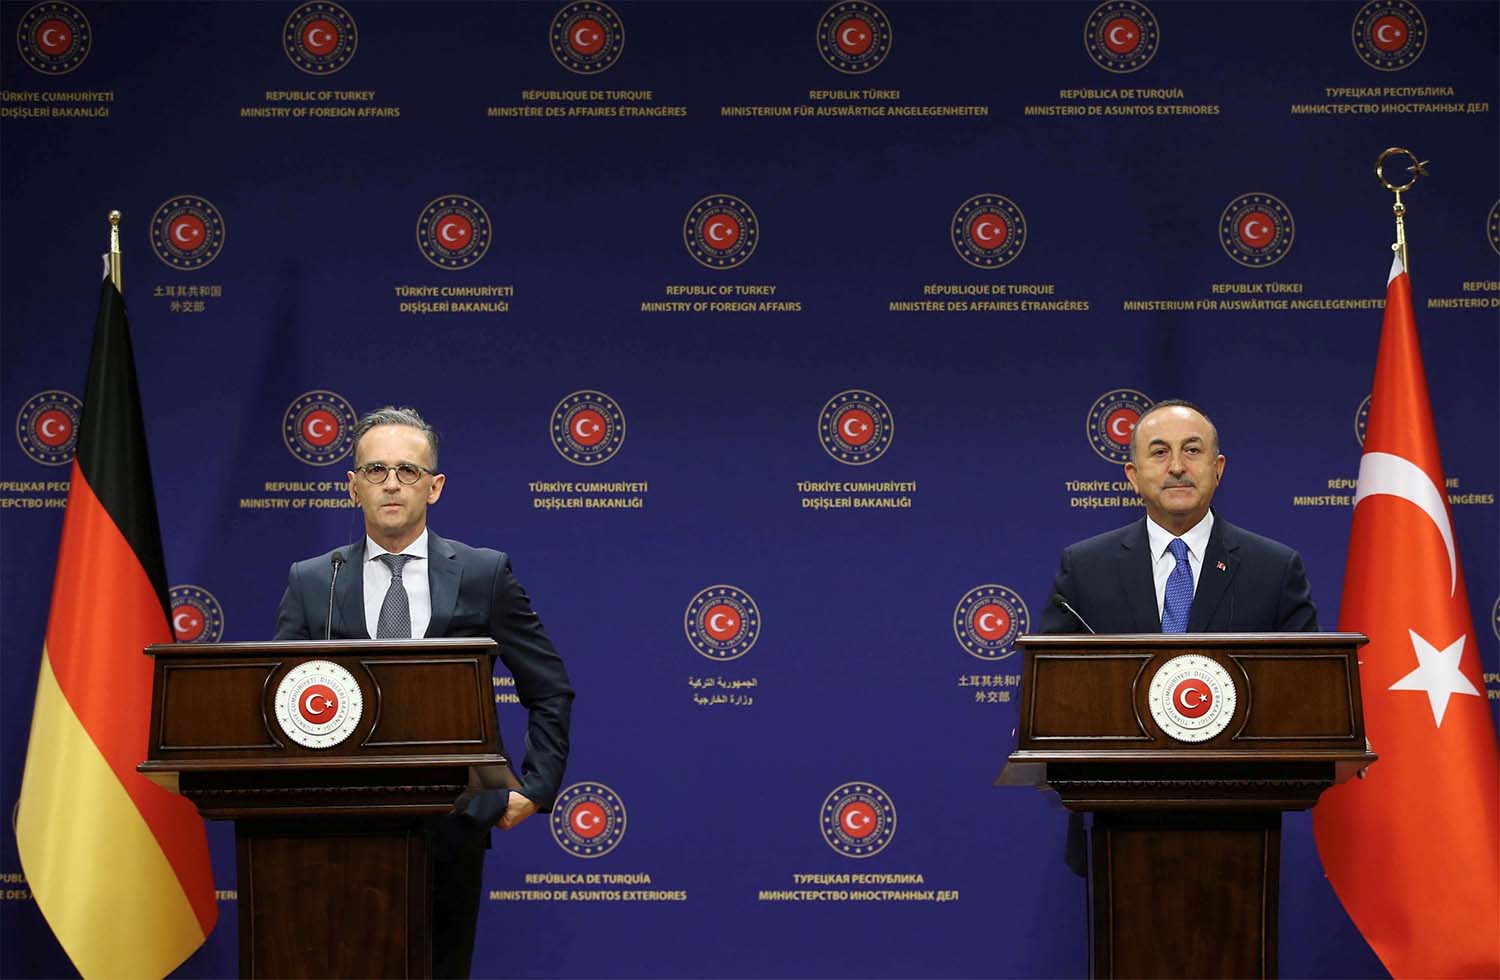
(1185, 894)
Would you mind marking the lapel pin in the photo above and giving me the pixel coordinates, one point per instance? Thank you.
(1222, 567)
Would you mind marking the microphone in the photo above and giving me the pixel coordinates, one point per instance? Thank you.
(1061, 603)
(338, 562)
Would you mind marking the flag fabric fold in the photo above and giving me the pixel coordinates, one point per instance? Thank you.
(1413, 849)
(118, 866)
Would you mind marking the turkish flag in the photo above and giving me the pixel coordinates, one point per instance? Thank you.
(1413, 849)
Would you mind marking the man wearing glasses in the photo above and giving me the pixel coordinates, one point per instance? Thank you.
(404, 581)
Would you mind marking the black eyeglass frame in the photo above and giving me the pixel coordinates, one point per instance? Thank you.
(369, 469)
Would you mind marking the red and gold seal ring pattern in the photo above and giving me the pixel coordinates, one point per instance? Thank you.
(586, 37)
(318, 427)
(587, 428)
(854, 37)
(187, 232)
(858, 820)
(1110, 424)
(1121, 36)
(1191, 698)
(588, 820)
(722, 622)
(1256, 230)
(988, 619)
(1389, 35)
(454, 231)
(320, 37)
(856, 427)
(988, 231)
(197, 616)
(47, 427)
(318, 704)
(54, 37)
(721, 232)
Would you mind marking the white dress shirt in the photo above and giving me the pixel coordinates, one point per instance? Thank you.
(1162, 561)
(413, 579)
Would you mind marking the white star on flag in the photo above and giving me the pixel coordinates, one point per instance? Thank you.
(1437, 674)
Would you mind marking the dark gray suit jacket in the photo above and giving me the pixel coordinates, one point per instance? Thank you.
(1248, 584)
(473, 594)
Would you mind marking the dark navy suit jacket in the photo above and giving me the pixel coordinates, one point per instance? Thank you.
(1247, 584)
(473, 594)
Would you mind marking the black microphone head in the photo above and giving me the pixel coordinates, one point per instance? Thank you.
(1058, 601)
(337, 559)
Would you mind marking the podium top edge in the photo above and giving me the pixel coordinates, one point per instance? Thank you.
(1194, 640)
(332, 648)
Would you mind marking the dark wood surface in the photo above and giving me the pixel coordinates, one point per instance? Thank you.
(1186, 845)
(332, 843)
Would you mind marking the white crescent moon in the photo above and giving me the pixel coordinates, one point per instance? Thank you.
(309, 708)
(180, 232)
(1250, 231)
(177, 622)
(47, 41)
(1380, 33)
(585, 819)
(446, 227)
(715, 625)
(979, 230)
(987, 622)
(1386, 474)
(1114, 427)
(46, 428)
(583, 428)
(312, 37)
(855, 820)
(1113, 31)
(316, 428)
(844, 36)
(578, 38)
(1183, 692)
(713, 230)
(852, 428)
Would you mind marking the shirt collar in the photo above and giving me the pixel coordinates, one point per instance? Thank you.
(417, 549)
(1196, 537)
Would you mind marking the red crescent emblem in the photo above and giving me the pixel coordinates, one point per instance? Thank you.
(318, 703)
(857, 819)
(1192, 698)
(588, 819)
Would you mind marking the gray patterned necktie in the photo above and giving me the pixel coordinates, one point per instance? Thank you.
(395, 611)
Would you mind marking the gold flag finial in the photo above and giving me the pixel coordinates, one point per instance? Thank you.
(114, 251)
(1417, 168)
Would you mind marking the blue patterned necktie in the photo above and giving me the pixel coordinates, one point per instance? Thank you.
(1179, 595)
(395, 611)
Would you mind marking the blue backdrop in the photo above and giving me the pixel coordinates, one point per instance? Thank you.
(641, 266)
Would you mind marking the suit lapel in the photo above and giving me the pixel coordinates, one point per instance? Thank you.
(1136, 583)
(349, 595)
(444, 571)
(1216, 574)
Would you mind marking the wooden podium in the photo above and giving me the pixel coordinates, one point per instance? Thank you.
(1186, 842)
(335, 874)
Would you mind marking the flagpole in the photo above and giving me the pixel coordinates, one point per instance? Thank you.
(114, 252)
(1418, 168)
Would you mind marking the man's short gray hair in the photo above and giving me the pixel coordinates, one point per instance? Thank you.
(391, 415)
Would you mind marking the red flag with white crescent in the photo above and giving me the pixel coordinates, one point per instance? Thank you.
(1413, 849)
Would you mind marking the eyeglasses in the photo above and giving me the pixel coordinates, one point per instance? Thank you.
(406, 473)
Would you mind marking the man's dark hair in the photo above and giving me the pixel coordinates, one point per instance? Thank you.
(391, 415)
(1172, 403)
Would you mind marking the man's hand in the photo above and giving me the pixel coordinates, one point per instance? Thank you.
(517, 808)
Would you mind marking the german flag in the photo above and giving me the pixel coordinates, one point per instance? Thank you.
(118, 866)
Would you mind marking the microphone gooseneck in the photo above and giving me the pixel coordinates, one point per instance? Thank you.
(1065, 606)
(337, 561)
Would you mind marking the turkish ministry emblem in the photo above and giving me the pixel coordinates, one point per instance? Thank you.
(1492, 227)
(1110, 425)
(1191, 698)
(722, 622)
(988, 619)
(856, 427)
(588, 820)
(854, 37)
(318, 427)
(1362, 420)
(1389, 34)
(1256, 230)
(586, 37)
(1121, 36)
(721, 231)
(588, 428)
(453, 232)
(320, 37)
(47, 427)
(858, 820)
(318, 704)
(54, 37)
(197, 616)
(187, 232)
(988, 231)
